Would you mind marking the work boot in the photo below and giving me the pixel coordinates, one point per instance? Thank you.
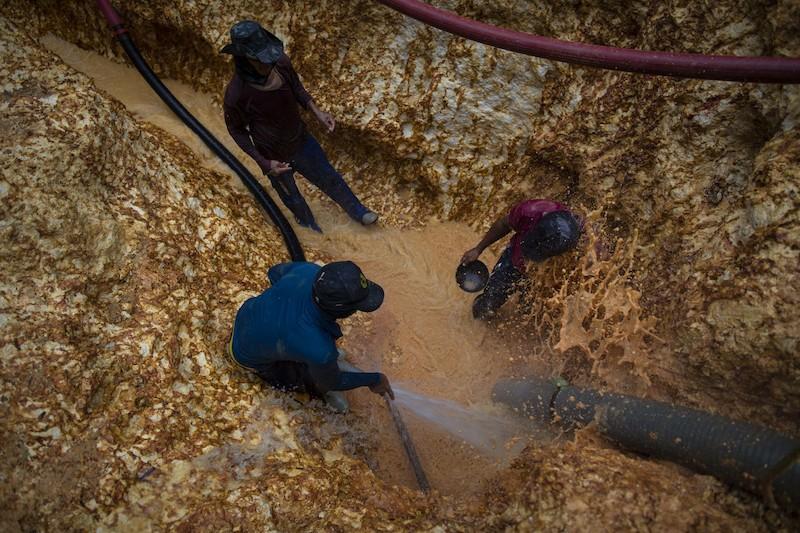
(337, 401)
(368, 218)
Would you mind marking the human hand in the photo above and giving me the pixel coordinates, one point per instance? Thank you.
(470, 255)
(383, 387)
(277, 167)
(326, 119)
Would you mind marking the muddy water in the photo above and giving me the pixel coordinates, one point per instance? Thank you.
(127, 86)
(423, 337)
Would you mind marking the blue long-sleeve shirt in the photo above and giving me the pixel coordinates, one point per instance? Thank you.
(284, 324)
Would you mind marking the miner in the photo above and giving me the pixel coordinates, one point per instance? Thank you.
(287, 334)
(262, 114)
(542, 229)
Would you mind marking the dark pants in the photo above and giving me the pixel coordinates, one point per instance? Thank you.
(504, 281)
(283, 375)
(311, 162)
(288, 376)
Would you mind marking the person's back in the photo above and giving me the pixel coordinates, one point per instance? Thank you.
(287, 335)
(283, 324)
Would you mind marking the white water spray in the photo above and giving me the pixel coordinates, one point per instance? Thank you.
(488, 428)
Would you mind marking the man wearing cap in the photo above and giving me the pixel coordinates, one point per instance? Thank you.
(262, 116)
(287, 335)
(543, 228)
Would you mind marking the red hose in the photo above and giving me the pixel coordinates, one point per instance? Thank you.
(112, 17)
(727, 68)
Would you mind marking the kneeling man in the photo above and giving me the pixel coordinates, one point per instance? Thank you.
(287, 335)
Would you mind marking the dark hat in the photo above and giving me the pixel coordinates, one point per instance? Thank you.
(342, 287)
(554, 234)
(250, 40)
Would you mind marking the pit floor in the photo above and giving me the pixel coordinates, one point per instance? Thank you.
(440, 359)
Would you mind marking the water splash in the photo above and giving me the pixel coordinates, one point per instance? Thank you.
(488, 428)
(588, 316)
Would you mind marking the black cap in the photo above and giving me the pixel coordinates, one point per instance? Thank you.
(342, 287)
(250, 40)
(554, 234)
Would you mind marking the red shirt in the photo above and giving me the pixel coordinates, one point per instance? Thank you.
(522, 218)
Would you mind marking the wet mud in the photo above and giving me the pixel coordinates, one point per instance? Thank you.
(423, 337)
(587, 320)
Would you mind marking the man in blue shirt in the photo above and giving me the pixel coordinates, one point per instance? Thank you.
(287, 335)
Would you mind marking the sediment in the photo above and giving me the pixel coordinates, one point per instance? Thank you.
(125, 261)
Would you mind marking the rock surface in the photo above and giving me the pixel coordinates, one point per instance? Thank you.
(703, 173)
(123, 266)
(125, 262)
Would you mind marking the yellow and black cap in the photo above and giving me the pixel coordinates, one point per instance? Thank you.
(342, 287)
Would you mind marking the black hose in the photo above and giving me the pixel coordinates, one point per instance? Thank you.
(531, 397)
(266, 202)
(748, 456)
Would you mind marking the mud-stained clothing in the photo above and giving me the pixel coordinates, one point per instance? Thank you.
(507, 276)
(310, 160)
(267, 126)
(504, 281)
(287, 340)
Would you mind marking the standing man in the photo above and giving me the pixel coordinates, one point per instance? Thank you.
(543, 228)
(262, 116)
(287, 335)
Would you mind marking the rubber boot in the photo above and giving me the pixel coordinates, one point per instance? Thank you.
(369, 218)
(337, 401)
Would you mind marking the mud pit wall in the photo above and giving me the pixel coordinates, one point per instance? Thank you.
(127, 262)
(123, 267)
(698, 179)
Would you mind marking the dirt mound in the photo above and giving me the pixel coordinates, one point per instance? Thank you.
(126, 260)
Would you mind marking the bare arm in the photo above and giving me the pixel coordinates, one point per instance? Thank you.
(499, 229)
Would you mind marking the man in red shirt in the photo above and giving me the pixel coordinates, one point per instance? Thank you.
(543, 228)
(262, 116)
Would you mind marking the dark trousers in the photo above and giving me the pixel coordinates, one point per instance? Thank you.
(288, 376)
(311, 161)
(504, 281)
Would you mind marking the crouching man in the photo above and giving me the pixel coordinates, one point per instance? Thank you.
(287, 335)
(543, 228)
